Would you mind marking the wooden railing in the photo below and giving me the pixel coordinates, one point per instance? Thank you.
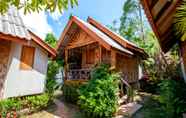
(75, 74)
(130, 77)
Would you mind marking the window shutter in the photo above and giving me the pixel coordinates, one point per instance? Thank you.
(27, 58)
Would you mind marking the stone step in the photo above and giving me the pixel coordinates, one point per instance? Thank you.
(129, 109)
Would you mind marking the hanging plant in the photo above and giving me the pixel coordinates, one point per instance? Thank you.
(180, 21)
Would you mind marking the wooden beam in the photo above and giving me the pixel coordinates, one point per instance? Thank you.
(80, 45)
(51, 51)
(167, 12)
(12, 38)
(164, 27)
(122, 53)
(158, 7)
(150, 17)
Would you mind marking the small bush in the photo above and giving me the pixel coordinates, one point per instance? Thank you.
(173, 98)
(9, 105)
(33, 103)
(37, 102)
(98, 98)
(70, 90)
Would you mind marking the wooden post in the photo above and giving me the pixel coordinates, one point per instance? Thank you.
(113, 59)
(66, 64)
(100, 54)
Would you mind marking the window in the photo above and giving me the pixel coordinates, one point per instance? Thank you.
(27, 58)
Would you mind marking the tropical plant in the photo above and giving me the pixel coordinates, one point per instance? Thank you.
(53, 69)
(70, 90)
(37, 102)
(10, 107)
(132, 21)
(179, 21)
(51, 40)
(99, 97)
(173, 98)
(53, 66)
(37, 5)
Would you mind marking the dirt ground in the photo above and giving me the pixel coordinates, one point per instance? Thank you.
(57, 110)
(61, 109)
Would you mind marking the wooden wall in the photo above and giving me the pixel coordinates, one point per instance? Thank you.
(4, 57)
(106, 56)
(87, 45)
(90, 56)
(128, 66)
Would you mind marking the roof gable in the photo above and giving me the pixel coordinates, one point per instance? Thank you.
(95, 33)
(42, 44)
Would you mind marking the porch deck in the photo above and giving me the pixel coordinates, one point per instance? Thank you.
(75, 74)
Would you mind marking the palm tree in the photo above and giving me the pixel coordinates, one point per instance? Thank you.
(180, 21)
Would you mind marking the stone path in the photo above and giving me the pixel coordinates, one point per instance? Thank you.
(58, 110)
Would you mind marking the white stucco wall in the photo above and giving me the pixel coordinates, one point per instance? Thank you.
(25, 82)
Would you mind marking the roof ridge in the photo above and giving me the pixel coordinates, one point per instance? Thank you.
(121, 40)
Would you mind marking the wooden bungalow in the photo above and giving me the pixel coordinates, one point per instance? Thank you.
(160, 14)
(86, 44)
(23, 57)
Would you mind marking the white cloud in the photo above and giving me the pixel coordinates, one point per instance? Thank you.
(37, 22)
(56, 15)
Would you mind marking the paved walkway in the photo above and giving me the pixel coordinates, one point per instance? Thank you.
(59, 110)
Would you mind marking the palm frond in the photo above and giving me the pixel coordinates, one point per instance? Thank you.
(179, 21)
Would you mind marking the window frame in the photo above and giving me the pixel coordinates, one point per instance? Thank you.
(24, 51)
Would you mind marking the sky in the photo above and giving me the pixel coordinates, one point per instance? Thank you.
(104, 11)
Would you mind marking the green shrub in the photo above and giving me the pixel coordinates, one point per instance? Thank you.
(33, 103)
(9, 105)
(98, 98)
(37, 102)
(173, 98)
(70, 90)
(53, 68)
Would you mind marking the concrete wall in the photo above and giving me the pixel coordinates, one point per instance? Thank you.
(25, 82)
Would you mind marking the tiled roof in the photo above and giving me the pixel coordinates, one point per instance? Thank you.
(12, 24)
